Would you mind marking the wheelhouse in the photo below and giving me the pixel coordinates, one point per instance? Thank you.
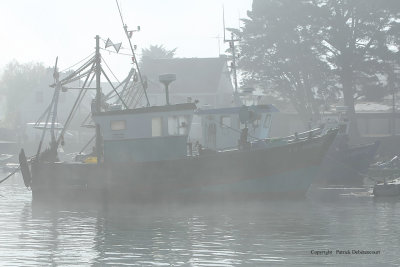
(145, 134)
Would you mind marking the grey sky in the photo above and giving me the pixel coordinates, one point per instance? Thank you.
(43, 29)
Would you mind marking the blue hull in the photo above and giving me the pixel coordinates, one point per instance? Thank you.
(284, 171)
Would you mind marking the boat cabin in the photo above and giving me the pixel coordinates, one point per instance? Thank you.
(222, 127)
(145, 134)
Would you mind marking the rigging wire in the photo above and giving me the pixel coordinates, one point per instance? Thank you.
(119, 53)
(108, 79)
(67, 79)
(87, 144)
(77, 62)
(77, 102)
(125, 82)
(110, 70)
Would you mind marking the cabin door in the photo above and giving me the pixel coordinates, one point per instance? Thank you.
(212, 136)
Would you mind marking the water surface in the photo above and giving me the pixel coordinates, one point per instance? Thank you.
(270, 233)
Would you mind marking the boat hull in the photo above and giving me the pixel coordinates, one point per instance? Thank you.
(386, 190)
(347, 166)
(283, 171)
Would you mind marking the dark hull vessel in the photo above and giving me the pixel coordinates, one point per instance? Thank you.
(345, 165)
(285, 170)
(384, 190)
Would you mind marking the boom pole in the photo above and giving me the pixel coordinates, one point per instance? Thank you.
(97, 108)
(134, 59)
(56, 77)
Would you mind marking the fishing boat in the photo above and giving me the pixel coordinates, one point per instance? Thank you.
(142, 154)
(158, 168)
(345, 164)
(388, 170)
(387, 189)
(348, 165)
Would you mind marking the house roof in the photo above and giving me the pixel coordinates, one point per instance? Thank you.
(193, 75)
(374, 107)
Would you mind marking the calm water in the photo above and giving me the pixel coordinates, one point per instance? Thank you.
(241, 234)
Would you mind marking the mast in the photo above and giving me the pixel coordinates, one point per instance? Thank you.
(134, 59)
(233, 63)
(98, 74)
(56, 76)
(98, 99)
(51, 110)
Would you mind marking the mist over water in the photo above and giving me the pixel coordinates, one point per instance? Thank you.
(267, 233)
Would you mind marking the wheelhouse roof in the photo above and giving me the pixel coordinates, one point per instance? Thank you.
(153, 109)
(235, 110)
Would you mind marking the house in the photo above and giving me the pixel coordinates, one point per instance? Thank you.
(206, 80)
(377, 119)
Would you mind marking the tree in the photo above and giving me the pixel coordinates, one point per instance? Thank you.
(157, 52)
(280, 53)
(17, 82)
(362, 39)
(345, 46)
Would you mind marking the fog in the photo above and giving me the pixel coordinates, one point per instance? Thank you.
(34, 35)
(218, 133)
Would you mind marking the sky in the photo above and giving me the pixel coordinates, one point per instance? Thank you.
(41, 30)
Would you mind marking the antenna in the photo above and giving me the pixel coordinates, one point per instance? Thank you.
(223, 21)
(134, 60)
(232, 47)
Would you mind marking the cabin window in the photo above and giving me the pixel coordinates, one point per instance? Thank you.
(257, 120)
(226, 122)
(156, 126)
(173, 125)
(267, 121)
(118, 125)
(178, 125)
(183, 124)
